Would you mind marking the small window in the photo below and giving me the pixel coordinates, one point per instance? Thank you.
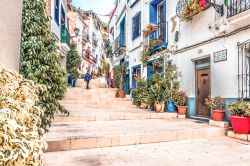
(56, 14)
(136, 26)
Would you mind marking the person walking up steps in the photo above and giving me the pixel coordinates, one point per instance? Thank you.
(87, 78)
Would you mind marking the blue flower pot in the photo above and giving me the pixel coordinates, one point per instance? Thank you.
(171, 107)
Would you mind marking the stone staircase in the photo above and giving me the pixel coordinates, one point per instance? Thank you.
(98, 119)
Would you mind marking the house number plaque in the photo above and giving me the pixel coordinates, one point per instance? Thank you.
(220, 56)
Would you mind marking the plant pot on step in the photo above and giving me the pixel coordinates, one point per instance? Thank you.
(121, 94)
(240, 124)
(143, 106)
(182, 110)
(171, 107)
(218, 115)
(159, 107)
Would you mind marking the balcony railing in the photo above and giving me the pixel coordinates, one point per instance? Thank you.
(85, 37)
(65, 36)
(120, 43)
(237, 6)
(94, 41)
(87, 55)
(158, 39)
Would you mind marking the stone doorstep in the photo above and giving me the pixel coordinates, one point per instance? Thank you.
(130, 139)
(181, 116)
(222, 124)
(244, 137)
(113, 117)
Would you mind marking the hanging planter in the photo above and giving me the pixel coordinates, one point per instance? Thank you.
(150, 28)
(191, 8)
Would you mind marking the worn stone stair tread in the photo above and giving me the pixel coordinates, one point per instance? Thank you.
(81, 135)
(182, 153)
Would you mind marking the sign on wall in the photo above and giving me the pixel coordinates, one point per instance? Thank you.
(220, 56)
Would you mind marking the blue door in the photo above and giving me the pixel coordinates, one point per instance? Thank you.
(127, 83)
(135, 71)
(149, 70)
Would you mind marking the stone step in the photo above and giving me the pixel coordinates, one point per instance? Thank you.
(82, 107)
(112, 116)
(95, 98)
(85, 135)
(198, 152)
(100, 102)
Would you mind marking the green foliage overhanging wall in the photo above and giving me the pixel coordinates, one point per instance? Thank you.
(40, 59)
(73, 63)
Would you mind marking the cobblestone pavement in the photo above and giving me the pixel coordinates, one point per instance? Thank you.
(216, 151)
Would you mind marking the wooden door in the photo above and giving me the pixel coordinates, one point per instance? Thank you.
(203, 90)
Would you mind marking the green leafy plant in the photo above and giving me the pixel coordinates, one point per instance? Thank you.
(21, 138)
(140, 93)
(40, 59)
(181, 98)
(144, 55)
(119, 75)
(105, 68)
(240, 108)
(108, 47)
(215, 103)
(73, 63)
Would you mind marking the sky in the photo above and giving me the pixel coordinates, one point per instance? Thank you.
(98, 6)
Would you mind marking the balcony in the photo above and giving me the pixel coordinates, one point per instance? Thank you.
(94, 42)
(236, 7)
(85, 37)
(88, 56)
(155, 37)
(120, 44)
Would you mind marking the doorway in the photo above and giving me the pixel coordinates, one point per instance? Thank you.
(203, 90)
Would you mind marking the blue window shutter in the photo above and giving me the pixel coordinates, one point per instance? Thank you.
(56, 14)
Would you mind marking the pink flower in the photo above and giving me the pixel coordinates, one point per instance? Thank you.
(203, 3)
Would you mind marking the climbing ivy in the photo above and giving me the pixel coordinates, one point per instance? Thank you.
(73, 63)
(40, 59)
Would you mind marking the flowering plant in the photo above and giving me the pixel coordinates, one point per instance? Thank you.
(144, 57)
(150, 28)
(192, 8)
(181, 98)
(240, 108)
(216, 103)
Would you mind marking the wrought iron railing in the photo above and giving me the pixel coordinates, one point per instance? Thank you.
(65, 36)
(157, 39)
(244, 70)
(237, 6)
(120, 42)
(85, 36)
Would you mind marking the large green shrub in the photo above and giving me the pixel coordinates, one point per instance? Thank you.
(73, 63)
(21, 140)
(119, 76)
(40, 59)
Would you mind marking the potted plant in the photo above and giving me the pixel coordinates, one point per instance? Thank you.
(192, 8)
(119, 74)
(144, 57)
(181, 100)
(217, 105)
(158, 92)
(140, 93)
(240, 117)
(150, 28)
(172, 85)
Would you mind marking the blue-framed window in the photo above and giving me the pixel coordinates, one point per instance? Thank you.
(136, 26)
(56, 14)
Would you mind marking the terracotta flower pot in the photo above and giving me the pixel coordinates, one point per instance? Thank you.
(143, 106)
(182, 110)
(121, 94)
(159, 107)
(218, 115)
(240, 124)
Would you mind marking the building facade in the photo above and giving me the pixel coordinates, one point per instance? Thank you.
(211, 48)
(59, 25)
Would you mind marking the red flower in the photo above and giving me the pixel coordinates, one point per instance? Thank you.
(203, 3)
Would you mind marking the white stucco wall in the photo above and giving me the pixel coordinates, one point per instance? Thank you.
(10, 38)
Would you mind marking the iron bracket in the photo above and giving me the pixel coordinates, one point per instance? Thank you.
(218, 8)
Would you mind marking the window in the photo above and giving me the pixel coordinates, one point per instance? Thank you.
(136, 26)
(56, 14)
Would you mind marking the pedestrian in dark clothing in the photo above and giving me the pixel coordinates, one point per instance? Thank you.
(70, 80)
(87, 78)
